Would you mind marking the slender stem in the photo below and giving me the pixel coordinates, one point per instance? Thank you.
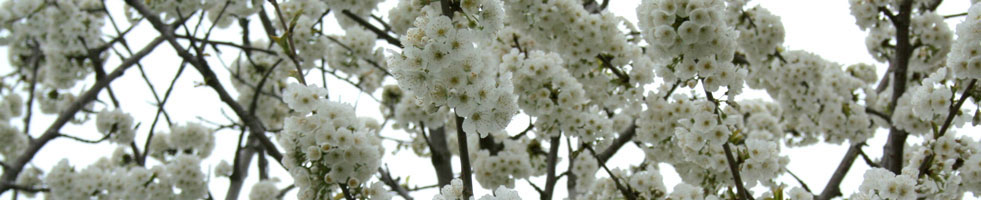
(381, 33)
(347, 193)
(626, 192)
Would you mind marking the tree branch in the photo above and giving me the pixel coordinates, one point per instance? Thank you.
(619, 142)
(441, 156)
(552, 160)
(386, 178)
(925, 166)
(465, 170)
(831, 190)
(735, 172)
(892, 158)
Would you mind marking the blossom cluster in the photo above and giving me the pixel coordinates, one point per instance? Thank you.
(455, 191)
(761, 33)
(109, 179)
(224, 12)
(586, 41)
(513, 162)
(116, 124)
(880, 183)
(693, 38)
(925, 104)
(965, 55)
(330, 146)
(191, 138)
(441, 64)
(817, 97)
(63, 31)
(548, 92)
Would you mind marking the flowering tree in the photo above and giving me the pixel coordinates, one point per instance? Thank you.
(452, 74)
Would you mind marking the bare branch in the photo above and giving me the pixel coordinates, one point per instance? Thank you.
(441, 156)
(386, 178)
(465, 170)
(802, 184)
(738, 181)
(626, 192)
(552, 160)
(832, 190)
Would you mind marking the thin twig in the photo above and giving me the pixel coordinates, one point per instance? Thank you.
(380, 33)
(832, 190)
(386, 178)
(802, 184)
(738, 181)
(627, 193)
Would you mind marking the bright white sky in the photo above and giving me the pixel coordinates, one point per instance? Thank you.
(822, 27)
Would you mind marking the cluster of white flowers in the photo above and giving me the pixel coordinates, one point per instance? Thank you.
(265, 189)
(442, 66)
(648, 183)
(684, 191)
(331, 146)
(971, 173)
(880, 183)
(511, 163)
(764, 162)
(453, 191)
(866, 12)
(584, 168)
(502, 193)
(934, 36)
(657, 124)
(760, 32)
(170, 9)
(401, 17)
(817, 97)
(224, 12)
(14, 141)
(248, 72)
(117, 124)
(692, 38)
(965, 55)
(64, 30)
(377, 191)
(192, 139)
(355, 54)
(548, 92)
(11, 106)
(926, 104)
(877, 42)
(107, 180)
(595, 50)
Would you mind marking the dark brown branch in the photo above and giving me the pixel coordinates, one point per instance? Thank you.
(955, 15)
(465, 170)
(832, 190)
(386, 178)
(35, 61)
(83, 140)
(879, 114)
(892, 158)
(738, 181)
(624, 138)
(868, 160)
(282, 193)
(441, 156)
(552, 161)
(347, 193)
(802, 184)
(25, 188)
